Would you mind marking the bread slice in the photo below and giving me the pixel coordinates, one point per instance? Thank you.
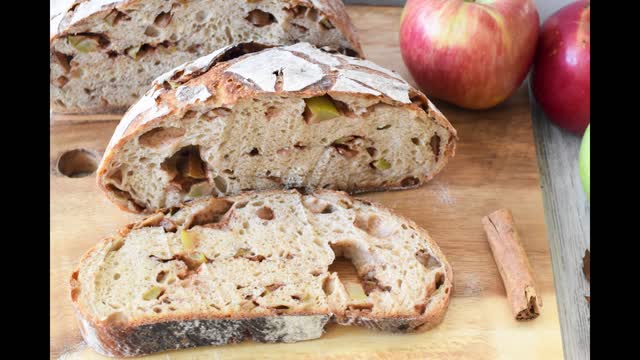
(105, 53)
(256, 265)
(248, 117)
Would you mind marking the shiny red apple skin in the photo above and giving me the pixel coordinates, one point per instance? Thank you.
(561, 80)
(474, 54)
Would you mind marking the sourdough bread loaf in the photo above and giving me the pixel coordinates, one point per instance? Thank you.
(256, 265)
(248, 117)
(105, 53)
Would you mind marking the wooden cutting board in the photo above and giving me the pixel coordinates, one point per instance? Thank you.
(495, 166)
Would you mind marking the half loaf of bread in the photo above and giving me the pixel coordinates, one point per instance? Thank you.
(250, 117)
(105, 53)
(257, 265)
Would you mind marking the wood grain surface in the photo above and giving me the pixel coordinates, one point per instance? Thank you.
(568, 217)
(495, 167)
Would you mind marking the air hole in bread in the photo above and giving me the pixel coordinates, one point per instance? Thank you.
(77, 163)
(254, 152)
(409, 181)
(317, 206)
(297, 11)
(439, 280)
(374, 225)
(420, 308)
(348, 52)
(214, 214)
(370, 284)
(435, 146)
(417, 100)
(116, 276)
(265, 213)
(416, 141)
(220, 183)
(345, 204)
(161, 276)
(312, 14)
(249, 255)
(115, 16)
(271, 112)
(163, 19)
(75, 286)
(63, 60)
(185, 168)
(151, 31)
(427, 260)
(60, 81)
(345, 146)
(260, 18)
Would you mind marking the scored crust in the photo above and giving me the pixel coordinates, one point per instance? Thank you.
(138, 334)
(235, 73)
(87, 82)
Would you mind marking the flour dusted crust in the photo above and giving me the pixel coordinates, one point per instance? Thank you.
(141, 39)
(211, 91)
(406, 277)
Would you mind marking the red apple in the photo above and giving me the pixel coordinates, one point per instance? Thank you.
(471, 53)
(561, 73)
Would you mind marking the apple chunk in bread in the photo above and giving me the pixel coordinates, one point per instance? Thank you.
(250, 117)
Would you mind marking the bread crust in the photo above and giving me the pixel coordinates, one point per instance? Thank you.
(226, 88)
(169, 332)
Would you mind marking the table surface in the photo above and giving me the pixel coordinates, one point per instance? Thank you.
(567, 214)
(567, 218)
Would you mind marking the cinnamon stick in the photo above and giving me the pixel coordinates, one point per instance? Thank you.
(513, 264)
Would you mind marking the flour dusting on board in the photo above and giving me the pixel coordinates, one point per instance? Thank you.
(442, 192)
(70, 351)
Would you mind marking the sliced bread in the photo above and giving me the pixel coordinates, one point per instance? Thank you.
(104, 53)
(257, 265)
(250, 117)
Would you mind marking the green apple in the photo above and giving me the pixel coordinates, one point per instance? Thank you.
(584, 162)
